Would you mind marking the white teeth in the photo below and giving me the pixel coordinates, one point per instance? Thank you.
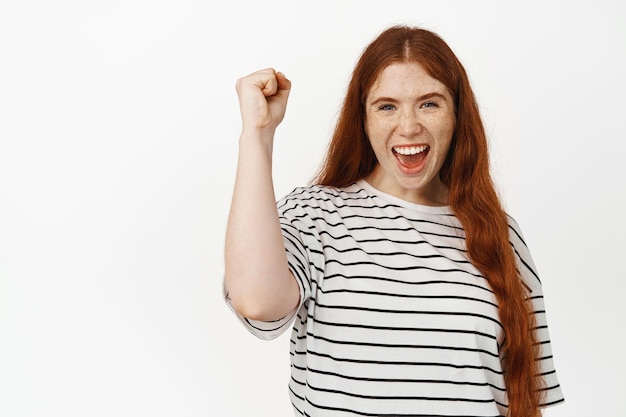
(410, 150)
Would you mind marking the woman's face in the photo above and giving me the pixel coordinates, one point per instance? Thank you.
(409, 120)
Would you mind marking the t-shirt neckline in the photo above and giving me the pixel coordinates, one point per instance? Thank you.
(403, 203)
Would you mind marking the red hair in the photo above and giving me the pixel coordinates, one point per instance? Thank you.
(472, 196)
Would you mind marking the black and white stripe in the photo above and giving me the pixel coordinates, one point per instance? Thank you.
(394, 320)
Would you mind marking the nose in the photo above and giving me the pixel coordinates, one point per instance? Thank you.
(409, 123)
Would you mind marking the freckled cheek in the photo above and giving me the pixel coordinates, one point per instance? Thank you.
(448, 129)
(377, 129)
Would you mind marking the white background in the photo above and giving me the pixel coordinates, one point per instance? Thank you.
(118, 140)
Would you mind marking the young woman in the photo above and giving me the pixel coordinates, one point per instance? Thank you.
(410, 290)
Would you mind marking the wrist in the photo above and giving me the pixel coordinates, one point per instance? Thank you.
(257, 140)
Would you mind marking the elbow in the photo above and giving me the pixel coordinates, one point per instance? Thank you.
(238, 303)
(248, 305)
(251, 309)
(259, 306)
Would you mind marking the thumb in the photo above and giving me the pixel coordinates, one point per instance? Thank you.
(283, 84)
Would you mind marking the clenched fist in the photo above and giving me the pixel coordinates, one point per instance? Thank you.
(263, 99)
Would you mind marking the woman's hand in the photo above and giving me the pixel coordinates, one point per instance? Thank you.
(263, 99)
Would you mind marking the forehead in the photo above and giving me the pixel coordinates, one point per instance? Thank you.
(405, 79)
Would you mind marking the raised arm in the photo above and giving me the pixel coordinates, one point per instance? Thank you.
(257, 278)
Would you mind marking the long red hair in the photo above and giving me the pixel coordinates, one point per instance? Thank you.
(472, 196)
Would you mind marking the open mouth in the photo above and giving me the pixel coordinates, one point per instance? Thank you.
(410, 156)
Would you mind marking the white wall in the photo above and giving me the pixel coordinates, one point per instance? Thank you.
(118, 139)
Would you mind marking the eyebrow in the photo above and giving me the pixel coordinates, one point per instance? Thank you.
(420, 98)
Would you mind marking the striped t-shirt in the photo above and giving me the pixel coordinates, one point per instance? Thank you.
(394, 320)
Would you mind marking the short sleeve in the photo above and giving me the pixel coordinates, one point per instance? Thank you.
(300, 241)
(552, 389)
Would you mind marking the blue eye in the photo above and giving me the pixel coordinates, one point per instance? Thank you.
(386, 107)
(430, 104)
